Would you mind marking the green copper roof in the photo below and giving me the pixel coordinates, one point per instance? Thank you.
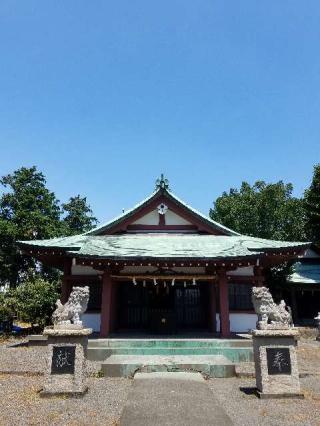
(176, 200)
(305, 273)
(164, 246)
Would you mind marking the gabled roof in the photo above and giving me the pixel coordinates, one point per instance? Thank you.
(109, 242)
(162, 192)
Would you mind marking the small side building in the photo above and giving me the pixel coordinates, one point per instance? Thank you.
(163, 267)
(304, 286)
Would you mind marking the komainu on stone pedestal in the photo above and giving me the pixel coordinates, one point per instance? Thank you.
(270, 315)
(274, 348)
(67, 347)
(69, 313)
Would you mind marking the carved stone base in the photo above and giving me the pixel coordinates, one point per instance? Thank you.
(276, 363)
(66, 359)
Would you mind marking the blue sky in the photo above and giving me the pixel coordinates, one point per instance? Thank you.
(103, 96)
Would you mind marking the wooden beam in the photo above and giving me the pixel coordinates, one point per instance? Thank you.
(164, 277)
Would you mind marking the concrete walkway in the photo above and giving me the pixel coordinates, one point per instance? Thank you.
(172, 399)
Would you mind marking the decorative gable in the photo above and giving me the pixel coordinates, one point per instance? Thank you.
(168, 218)
(162, 212)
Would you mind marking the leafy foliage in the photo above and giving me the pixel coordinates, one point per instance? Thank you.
(79, 216)
(35, 300)
(312, 207)
(262, 210)
(6, 307)
(29, 210)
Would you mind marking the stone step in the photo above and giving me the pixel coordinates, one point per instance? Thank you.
(233, 354)
(245, 369)
(128, 365)
(178, 343)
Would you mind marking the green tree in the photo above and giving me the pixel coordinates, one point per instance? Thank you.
(6, 306)
(312, 207)
(35, 300)
(28, 210)
(79, 217)
(262, 210)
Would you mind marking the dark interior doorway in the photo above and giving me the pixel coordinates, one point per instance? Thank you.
(308, 303)
(163, 308)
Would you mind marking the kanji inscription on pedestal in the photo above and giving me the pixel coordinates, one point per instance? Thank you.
(278, 360)
(63, 359)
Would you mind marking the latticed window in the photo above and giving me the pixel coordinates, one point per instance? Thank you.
(240, 297)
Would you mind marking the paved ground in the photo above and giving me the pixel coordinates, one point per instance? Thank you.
(175, 399)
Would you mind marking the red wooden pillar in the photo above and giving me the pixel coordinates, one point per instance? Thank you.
(258, 276)
(212, 307)
(106, 305)
(66, 284)
(224, 304)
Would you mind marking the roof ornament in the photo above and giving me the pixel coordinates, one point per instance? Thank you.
(162, 183)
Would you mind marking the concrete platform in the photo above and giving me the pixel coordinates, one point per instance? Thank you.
(172, 399)
(233, 354)
(128, 365)
(161, 342)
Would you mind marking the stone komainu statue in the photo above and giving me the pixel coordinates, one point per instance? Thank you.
(270, 315)
(75, 306)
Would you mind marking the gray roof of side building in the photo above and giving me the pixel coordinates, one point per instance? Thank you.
(305, 273)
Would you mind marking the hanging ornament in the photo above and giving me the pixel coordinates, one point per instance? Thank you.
(134, 281)
(193, 281)
(155, 281)
(172, 282)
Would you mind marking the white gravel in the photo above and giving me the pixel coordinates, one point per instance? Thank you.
(248, 410)
(21, 403)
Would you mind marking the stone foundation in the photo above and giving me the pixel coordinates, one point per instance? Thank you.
(276, 365)
(65, 371)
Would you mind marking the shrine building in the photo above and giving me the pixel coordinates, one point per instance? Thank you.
(163, 267)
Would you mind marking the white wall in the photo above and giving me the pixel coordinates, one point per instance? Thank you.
(92, 320)
(152, 218)
(242, 322)
(174, 219)
(239, 322)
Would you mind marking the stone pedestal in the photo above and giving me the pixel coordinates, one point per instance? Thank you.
(276, 363)
(66, 359)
